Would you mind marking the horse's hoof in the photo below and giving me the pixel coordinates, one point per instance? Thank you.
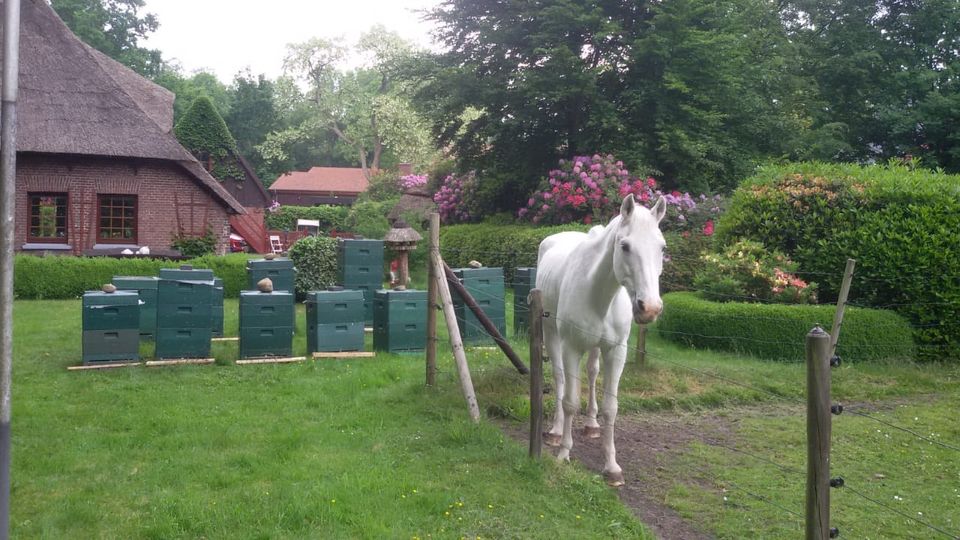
(592, 432)
(551, 439)
(614, 479)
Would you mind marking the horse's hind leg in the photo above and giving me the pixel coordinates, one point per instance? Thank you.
(552, 342)
(592, 429)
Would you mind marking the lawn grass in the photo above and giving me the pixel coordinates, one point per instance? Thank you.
(333, 449)
(756, 479)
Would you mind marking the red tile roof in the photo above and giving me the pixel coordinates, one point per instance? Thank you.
(323, 180)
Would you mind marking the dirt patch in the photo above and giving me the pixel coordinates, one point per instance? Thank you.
(646, 443)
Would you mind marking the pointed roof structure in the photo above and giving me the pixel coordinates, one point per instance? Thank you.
(76, 100)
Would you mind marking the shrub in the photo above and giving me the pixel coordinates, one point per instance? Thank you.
(195, 246)
(315, 258)
(507, 246)
(284, 218)
(383, 186)
(745, 271)
(68, 277)
(457, 199)
(901, 225)
(683, 259)
(590, 189)
(777, 332)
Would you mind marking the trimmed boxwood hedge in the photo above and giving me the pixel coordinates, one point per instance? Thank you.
(778, 331)
(506, 246)
(901, 225)
(68, 277)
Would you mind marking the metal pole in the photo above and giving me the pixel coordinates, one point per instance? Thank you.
(536, 372)
(8, 174)
(819, 425)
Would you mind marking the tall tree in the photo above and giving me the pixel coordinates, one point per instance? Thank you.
(114, 27)
(363, 108)
(690, 88)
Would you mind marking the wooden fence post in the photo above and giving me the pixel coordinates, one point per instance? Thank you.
(536, 372)
(456, 342)
(818, 435)
(841, 305)
(641, 351)
(432, 296)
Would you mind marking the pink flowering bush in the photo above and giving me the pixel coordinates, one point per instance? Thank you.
(591, 188)
(411, 181)
(746, 271)
(457, 198)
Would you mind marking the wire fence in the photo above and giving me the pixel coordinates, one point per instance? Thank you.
(730, 376)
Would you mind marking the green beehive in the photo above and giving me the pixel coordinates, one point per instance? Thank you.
(266, 323)
(399, 320)
(185, 310)
(216, 321)
(187, 272)
(280, 271)
(524, 281)
(146, 287)
(335, 321)
(359, 253)
(183, 342)
(111, 326)
(485, 285)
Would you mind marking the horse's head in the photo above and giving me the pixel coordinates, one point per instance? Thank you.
(638, 257)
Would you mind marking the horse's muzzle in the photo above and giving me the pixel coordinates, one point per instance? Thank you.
(646, 313)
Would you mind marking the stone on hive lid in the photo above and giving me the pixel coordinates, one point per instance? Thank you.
(109, 288)
(475, 264)
(265, 285)
(270, 256)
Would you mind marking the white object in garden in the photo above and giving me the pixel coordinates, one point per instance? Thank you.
(594, 285)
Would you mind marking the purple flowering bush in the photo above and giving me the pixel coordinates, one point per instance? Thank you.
(457, 198)
(411, 181)
(591, 188)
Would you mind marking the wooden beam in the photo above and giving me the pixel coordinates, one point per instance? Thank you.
(456, 342)
(271, 360)
(179, 362)
(104, 365)
(232, 338)
(432, 297)
(345, 354)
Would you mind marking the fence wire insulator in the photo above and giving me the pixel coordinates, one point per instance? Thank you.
(836, 409)
(836, 482)
(835, 361)
(834, 532)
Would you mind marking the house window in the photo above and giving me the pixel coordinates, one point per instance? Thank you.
(48, 217)
(117, 219)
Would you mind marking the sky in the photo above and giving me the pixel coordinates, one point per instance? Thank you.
(226, 36)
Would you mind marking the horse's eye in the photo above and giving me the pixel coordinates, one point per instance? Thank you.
(625, 246)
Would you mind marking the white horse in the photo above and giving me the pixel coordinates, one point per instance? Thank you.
(593, 284)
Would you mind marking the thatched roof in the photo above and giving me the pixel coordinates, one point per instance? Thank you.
(76, 100)
(401, 233)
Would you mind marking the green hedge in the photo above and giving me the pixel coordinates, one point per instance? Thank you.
(68, 277)
(507, 246)
(901, 225)
(315, 258)
(778, 331)
(366, 218)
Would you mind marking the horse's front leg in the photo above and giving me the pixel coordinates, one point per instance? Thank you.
(613, 360)
(571, 398)
(592, 429)
(552, 342)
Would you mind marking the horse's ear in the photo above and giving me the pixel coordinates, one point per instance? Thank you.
(626, 208)
(659, 209)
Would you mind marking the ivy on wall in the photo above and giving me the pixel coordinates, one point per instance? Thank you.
(204, 133)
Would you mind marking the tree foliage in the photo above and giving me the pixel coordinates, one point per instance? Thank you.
(114, 27)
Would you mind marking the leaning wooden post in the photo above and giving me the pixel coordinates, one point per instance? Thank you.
(536, 372)
(841, 305)
(641, 352)
(433, 246)
(818, 435)
(456, 342)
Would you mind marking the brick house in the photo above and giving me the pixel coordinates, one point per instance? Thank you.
(320, 185)
(98, 167)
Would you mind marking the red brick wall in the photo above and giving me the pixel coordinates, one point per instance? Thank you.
(168, 198)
